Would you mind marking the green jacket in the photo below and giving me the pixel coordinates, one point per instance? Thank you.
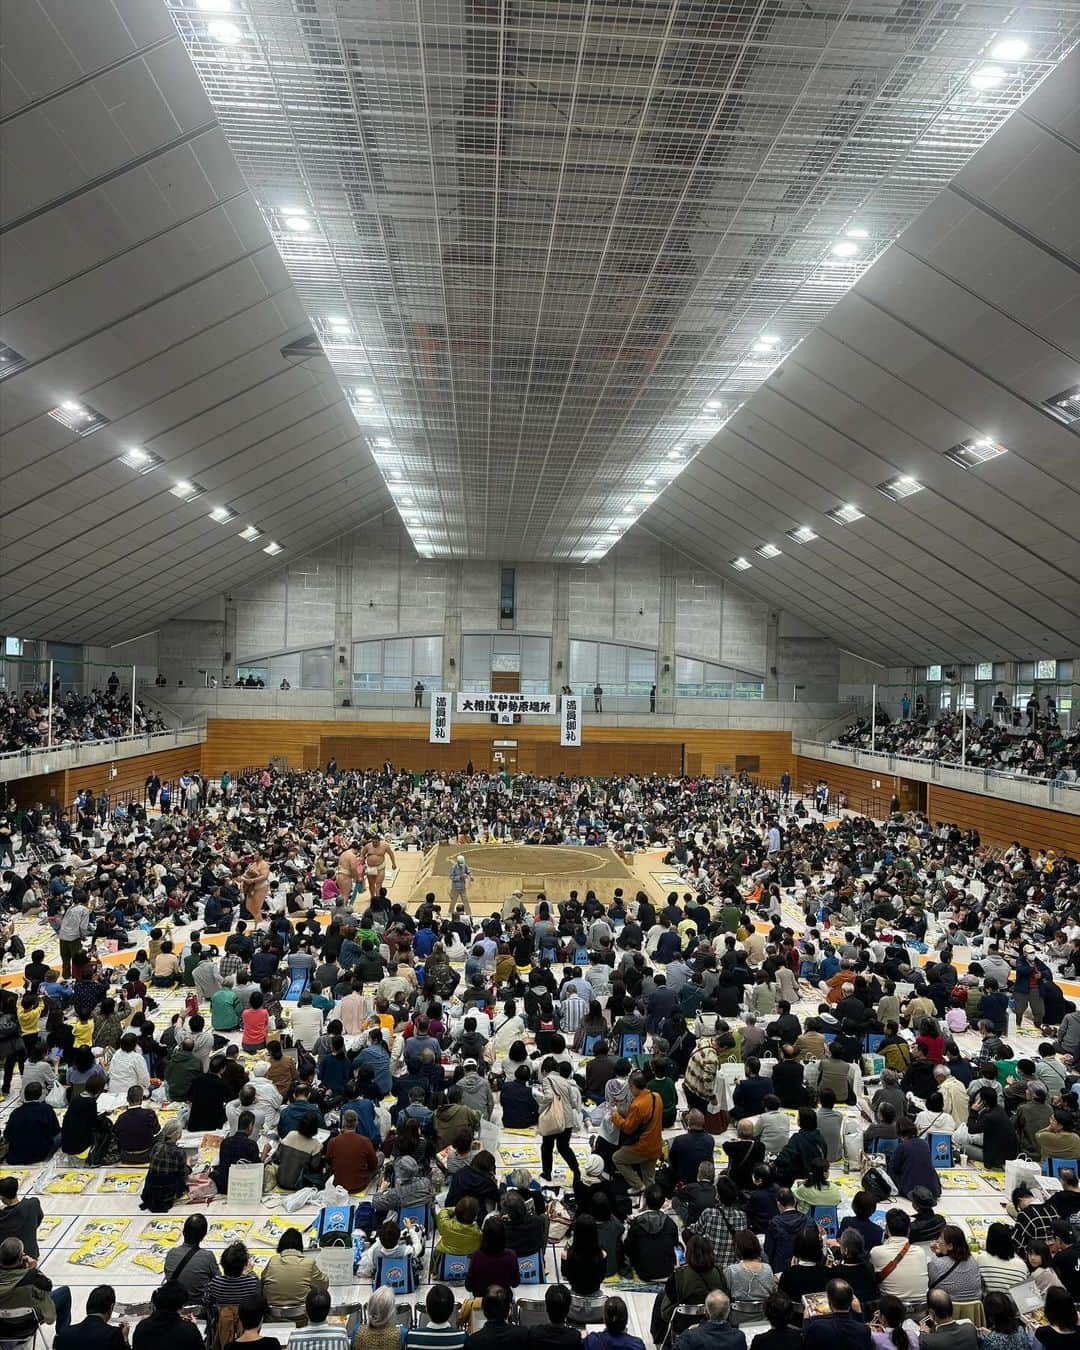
(180, 1072)
(455, 1238)
(225, 1010)
(22, 1288)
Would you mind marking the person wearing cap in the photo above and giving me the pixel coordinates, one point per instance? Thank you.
(476, 1090)
(409, 1188)
(460, 876)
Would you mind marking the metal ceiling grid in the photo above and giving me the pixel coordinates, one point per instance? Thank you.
(966, 327)
(540, 241)
(138, 277)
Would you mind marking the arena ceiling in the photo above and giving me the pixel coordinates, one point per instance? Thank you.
(575, 265)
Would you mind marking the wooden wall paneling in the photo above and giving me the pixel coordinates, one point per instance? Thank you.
(311, 757)
(131, 774)
(858, 784)
(41, 787)
(233, 744)
(1001, 822)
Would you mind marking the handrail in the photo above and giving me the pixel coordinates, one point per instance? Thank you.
(888, 759)
(150, 739)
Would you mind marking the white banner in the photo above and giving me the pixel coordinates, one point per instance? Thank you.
(507, 703)
(440, 719)
(570, 733)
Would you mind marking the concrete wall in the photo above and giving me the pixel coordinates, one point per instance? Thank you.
(391, 591)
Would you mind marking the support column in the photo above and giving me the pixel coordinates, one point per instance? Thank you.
(665, 650)
(451, 644)
(560, 630)
(343, 621)
(772, 632)
(228, 651)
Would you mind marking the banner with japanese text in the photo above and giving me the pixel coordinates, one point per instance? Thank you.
(440, 719)
(570, 732)
(514, 704)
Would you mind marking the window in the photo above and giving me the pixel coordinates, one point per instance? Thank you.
(933, 672)
(618, 668)
(984, 670)
(506, 593)
(1046, 670)
(12, 646)
(530, 657)
(393, 665)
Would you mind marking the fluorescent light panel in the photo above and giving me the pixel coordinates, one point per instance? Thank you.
(768, 550)
(978, 450)
(273, 548)
(187, 490)
(898, 488)
(251, 533)
(802, 535)
(845, 514)
(78, 417)
(221, 515)
(142, 461)
(1065, 405)
(10, 360)
(741, 564)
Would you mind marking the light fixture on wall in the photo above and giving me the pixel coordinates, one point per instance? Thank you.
(453, 663)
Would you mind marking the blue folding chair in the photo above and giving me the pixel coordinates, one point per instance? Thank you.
(452, 1269)
(872, 1042)
(396, 1272)
(807, 970)
(581, 956)
(588, 1044)
(941, 1150)
(1052, 1166)
(420, 1214)
(826, 1219)
(883, 1146)
(629, 1044)
(531, 1269)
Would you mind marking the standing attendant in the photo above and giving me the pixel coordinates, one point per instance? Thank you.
(418, 694)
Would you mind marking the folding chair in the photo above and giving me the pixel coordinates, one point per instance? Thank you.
(629, 1044)
(581, 956)
(685, 1316)
(18, 1317)
(1052, 1166)
(588, 1044)
(531, 1268)
(531, 1312)
(883, 1146)
(396, 1272)
(872, 1042)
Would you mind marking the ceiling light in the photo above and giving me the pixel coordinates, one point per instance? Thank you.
(142, 461)
(186, 490)
(10, 360)
(300, 224)
(741, 564)
(363, 393)
(674, 454)
(251, 533)
(845, 248)
(385, 443)
(406, 501)
(1065, 405)
(222, 514)
(713, 405)
(224, 31)
(971, 453)
(846, 514)
(78, 417)
(272, 548)
(803, 535)
(768, 340)
(768, 550)
(897, 488)
(987, 77)
(1009, 49)
(337, 321)
(395, 478)
(857, 232)
(761, 346)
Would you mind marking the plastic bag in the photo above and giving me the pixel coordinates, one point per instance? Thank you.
(298, 1199)
(332, 1194)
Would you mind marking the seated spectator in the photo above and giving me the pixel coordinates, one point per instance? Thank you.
(555, 1334)
(900, 1264)
(33, 1130)
(189, 1264)
(166, 1179)
(352, 1157)
(249, 1317)
(165, 1328)
(290, 1275)
(23, 1286)
(817, 1189)
(136, 1128)
(651, 1238)
(839, 1327)
(321, 1335)
(95, 1331)
(614, 1337)
(457, 1228)
(492, 1262)
(393, 1241)
(584, 1264)
(236, 1281)
(716, 1332)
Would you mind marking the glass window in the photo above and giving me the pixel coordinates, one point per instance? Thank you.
(1046, 670)
(316, 668)
(535, 663)
(984, 670)
(1021, 694)
(582, 663)
(611, 666)
(476, 658)
(506, 661)
(12, 646)
(257, 671)
(1027, 670)
(285, 667)
(427, 660)
(689, 677)
(933, 672)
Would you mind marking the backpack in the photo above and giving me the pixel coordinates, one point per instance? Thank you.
(878, 1184)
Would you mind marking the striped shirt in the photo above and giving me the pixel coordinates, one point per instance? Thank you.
(323, 1336)
(434, 1337)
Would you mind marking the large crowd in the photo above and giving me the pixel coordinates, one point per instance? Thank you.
(628, 1037)
(1033, 746)
(77, 718)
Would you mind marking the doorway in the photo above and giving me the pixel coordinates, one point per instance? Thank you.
(912, 795)
(504, 756)
(505, 682)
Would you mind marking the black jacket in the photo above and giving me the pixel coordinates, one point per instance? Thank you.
(649, 1245)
